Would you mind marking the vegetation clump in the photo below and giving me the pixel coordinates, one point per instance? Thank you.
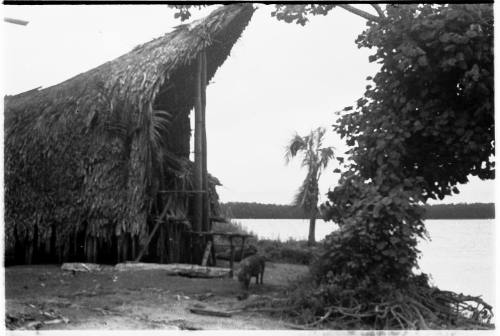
(424, 125)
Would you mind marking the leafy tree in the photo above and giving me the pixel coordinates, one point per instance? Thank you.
(315, 159)
(424, 124)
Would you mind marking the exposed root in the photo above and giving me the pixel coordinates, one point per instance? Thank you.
(416, 308)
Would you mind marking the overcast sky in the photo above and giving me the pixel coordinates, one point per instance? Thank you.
(280, 79)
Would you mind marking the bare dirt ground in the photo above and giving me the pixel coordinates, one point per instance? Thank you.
(45, 297)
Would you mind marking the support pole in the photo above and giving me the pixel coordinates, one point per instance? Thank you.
(206, 206)
(198, 148)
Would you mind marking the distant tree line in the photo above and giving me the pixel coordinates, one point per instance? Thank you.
(460, 211)
(280, 211)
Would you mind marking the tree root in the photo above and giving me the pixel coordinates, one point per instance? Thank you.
(417, 308)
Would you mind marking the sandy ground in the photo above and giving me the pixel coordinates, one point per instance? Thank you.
(133, 299)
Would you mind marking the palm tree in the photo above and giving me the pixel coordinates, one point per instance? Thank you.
(315, 158)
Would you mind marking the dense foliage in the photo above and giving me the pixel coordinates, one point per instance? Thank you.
(424, 125)
(280, 211)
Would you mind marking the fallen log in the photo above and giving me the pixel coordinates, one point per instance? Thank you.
(188, 270)
(209, 312)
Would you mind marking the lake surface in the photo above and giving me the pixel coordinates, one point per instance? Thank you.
(460, 255)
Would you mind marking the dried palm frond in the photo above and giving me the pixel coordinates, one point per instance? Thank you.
(92, 149)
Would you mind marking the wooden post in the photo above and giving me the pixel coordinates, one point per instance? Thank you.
(242, 247)
(203, 83)
(208, 249)
(134, 247)
(191, 248)
(125, 247)
(162, 241)
(231, 258)
(119, 247)
(198, 148)
(94, 249)
(214, 259)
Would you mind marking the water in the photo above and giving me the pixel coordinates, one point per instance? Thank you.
(460, 256)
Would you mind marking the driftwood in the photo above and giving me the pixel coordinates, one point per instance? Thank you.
(194, 271)
(209, 312)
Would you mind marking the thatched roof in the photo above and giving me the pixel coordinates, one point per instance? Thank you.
(96, 147)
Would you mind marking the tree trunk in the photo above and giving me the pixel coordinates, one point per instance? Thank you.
(312, 229)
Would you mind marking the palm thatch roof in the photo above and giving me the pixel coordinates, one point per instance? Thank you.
(92, 152)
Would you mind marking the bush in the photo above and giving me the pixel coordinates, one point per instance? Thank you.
(291, 251)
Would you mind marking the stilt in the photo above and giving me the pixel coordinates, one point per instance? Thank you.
(119, 248)
(29, 253)
(94, 250)
(125, 247)
(161, 243)
(134, 246)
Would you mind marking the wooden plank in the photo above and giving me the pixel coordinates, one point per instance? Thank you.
(222, 234)
(182, 191)
(208, 249)
(210, 312)
(158, 221)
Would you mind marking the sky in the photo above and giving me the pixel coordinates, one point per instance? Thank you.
(279, 79)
